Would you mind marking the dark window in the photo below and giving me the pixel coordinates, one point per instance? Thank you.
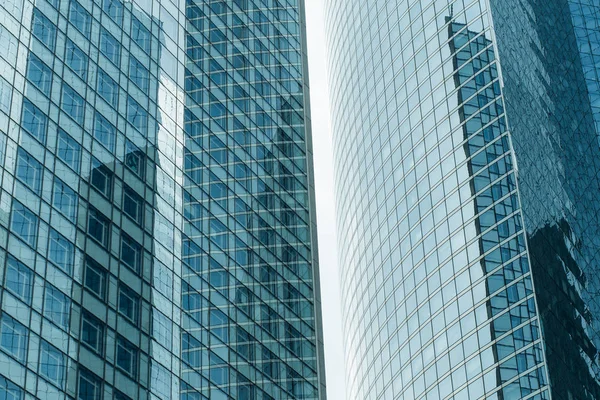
(101, 178)
(129, 303)
(133, 205)
(95, 278)
(92, 333)
(127, 357)
(131, 253)
(134, 159)
(98, 227)
(90, 386)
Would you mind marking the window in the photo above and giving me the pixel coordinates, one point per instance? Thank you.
(56, 306)
(34, 121)
(129, 303)
(24, 223)
(107, 88)
(121, 396)
(98, 227)
(95, 278)
(110, 47)
(65, 199)
(138, 74)
(29, 170)
(133, 205)
(90, 386)
(73, 104)
(80, 18)
(52, 364)
(126, 357)
(68, 150)
(134, 159)
(18, 279)
(92, 332)
(114, 9)
(39, 74)
(104, 132)
(60, 251)
(43, 29)
(76, 59)
(137, 116)
(13, 337)
(131, 253)
(101, 178)
(9, 391)
(140, 34)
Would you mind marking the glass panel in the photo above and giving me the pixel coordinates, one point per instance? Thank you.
(65, 199)
(76, 59)
(52, 364)
(13, 338)
(29, 170)
(34, 121)
(95, 278)
(24, 223)
(56, 306)
(18, 279)
(43, 29)
(68, 150)
(60, 251)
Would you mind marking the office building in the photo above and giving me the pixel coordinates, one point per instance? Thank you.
(467, 159)
(157, 221)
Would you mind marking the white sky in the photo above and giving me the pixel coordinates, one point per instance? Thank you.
(334, 358)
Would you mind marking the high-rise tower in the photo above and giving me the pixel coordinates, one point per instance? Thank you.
(466, 139)
(157, 223)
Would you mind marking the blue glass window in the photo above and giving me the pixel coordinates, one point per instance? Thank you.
(129, 303)
(140, 34)
(95, 278)
(90, 386)
(56, 306)
(104, 132)
(131, 253)
(137, 116)
(24, 223)
(60, 251)
(65, 199)
(80, 18)
(73, 104)
(139, 74)
(43, 29)
(114, 9)
(110, 47)
(76, 59)
(92, 333)
(133, 205)
(9, 391)
(52, 364)
(13, 337)
(69, 150)
(29, 170)
(134, 159)
(18, 279)
(98, 227)
(39, 74)
(101, 178)
(34, 121)
(107, 88)
(126, 357)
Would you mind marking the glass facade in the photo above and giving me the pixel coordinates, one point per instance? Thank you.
(466, 151)
(157, 221)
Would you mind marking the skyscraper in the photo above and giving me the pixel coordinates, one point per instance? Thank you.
(157, 224)
(466, 140)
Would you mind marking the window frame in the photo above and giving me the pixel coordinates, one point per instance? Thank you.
(61, 190)
(100, 218)
(53, 296)
(56, 239)
(94, 267)
(31, 166)
(126, 349)
(8, 322)
(39, 121)
(26, 213)
(135, 300)
(130, 196)
(89, 319)
(72, 146)
(49, 351)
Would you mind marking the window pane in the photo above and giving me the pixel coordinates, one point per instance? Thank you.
(76, 59)
(95, 278)
(110, 47)
(34, 121)
(18, 279)
(126, 356)
(52, 364)
(39, 74)
(131, 253)
(137, 116)
(13, 337)
(80, 18)
(68, 150)
(90, 386)
(43, 29)
(60, 251)
(114, 9)
(73, 104)
(29, 170)
(140, 34)
(104, 132)
(98, 227)
(65, 199)
(134, 159)
(24, 223)
(107, 88)
(133, 205)
(128, 303)
(92, 332)
(101, 178)
(9, 391)
(56, 306)
(139, 74)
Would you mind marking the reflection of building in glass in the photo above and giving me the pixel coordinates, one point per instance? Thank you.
(157, 206)
(465, 276)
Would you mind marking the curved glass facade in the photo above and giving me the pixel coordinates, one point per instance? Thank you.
(463, 275)
(157, 229)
